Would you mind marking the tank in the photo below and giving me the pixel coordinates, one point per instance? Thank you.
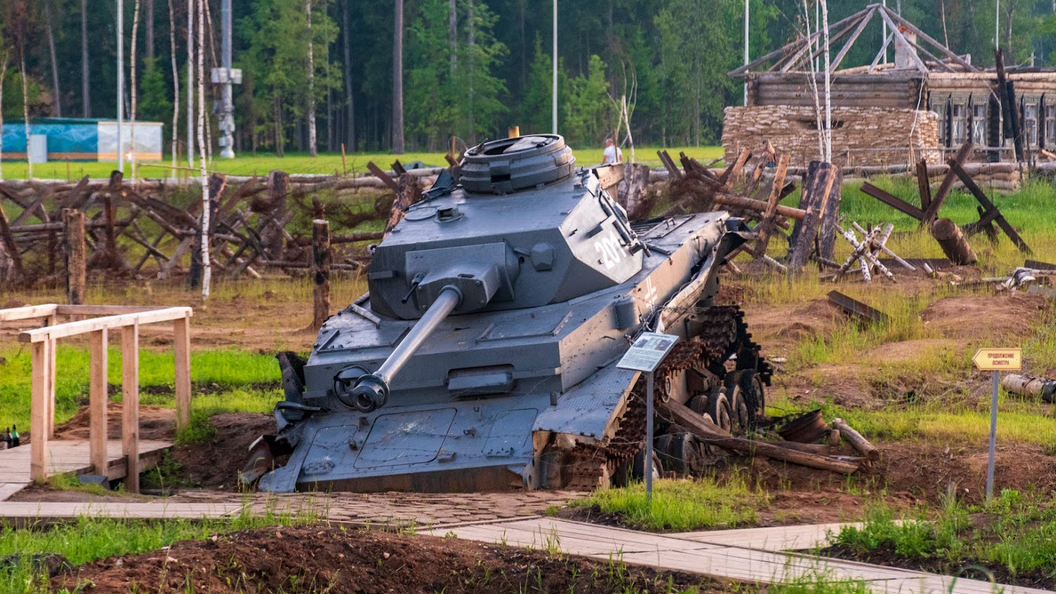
(484, 354)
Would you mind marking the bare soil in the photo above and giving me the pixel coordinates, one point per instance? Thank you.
(318, 558)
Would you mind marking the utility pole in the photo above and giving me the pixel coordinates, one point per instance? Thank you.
(120, 85)
(554, 114)
(997, 25)
(884, 25)
(746, 17)
(227, 106)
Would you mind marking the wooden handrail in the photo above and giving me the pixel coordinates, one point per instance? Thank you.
(28, 312)
(143, 318)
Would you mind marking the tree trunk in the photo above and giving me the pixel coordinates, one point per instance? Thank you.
(350, 117)
(132, 58)
(25, 100)
(952, 242)
(452, 36)
(397, 80)
(472, 26)
(149, 41)
(86, 97)
(310, 119)
(56, 108)
(175, 87)
(206, 267)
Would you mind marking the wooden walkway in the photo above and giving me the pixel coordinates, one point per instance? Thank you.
(743, 555)
(71, 456)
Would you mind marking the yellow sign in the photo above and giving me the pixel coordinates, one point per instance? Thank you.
(998, 359)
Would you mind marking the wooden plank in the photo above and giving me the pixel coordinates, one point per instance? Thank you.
(924, 184)
(130, 404)
(110, 322)
(817, 187)
(669, 164)
(766, 227)
(980, 196)
(51, 382)
(384, 177)
(182, 348)
(905, 42)
(102, 310)
(892, 201)
(97, 400)
(734, 168)
(9, 489)
(28, 312)
(74, 252)
(38, 412)
(850, 42)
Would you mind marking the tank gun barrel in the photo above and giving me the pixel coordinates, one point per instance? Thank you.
(372, 391)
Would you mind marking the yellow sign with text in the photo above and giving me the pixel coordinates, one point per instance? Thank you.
(998, 359)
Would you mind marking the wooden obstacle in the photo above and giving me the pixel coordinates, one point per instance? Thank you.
(127, 320)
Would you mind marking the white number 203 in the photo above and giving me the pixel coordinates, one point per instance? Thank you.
(608, 247)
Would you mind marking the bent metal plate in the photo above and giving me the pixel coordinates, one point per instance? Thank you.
(998, 359)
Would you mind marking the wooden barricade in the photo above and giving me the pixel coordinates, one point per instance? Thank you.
(127, 320)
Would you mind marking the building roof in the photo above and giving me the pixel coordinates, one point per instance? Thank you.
(925, 54)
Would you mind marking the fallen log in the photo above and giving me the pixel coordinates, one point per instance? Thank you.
(699, 427)
(1027, 385)
(758, 205)
(856, 440)
(953, 243)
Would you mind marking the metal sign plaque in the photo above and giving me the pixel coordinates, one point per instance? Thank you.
(647, 352)
(998, 359)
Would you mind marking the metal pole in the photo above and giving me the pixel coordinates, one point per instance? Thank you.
(997, 24)
(190, 83)
(120, 85)
(555, 70)
(746, 16)
(227, 118)
(648, 469)
(993, 439)
(883, 24)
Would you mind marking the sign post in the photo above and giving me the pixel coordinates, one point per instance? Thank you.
(995, 360)
(645, 355)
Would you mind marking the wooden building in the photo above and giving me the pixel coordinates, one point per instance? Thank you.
(925, 103)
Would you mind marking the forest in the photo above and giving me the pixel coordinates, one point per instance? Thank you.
(470, 68)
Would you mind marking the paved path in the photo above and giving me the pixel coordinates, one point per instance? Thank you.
(711, 554)
(70, 456)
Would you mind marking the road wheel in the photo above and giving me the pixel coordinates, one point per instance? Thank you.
(743, 411)
(720, 411)
(754, 393)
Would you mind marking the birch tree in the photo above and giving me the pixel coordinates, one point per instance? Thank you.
(50, 26)
(86, 96)
(397, 79)
(175, 87)
(206, 268)
(132, 81)
(312, 139)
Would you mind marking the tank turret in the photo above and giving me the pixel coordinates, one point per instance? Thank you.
(483, 355)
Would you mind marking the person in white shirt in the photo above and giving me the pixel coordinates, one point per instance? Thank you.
(612, 154)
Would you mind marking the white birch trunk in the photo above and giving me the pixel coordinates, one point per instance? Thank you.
(814, 86)
(312, 148)
(132, 81)
(206, 268)
(25, 105)
(828, 95)
(175, 88)
(54, 61)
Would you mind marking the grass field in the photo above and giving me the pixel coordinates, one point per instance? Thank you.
(324, 163)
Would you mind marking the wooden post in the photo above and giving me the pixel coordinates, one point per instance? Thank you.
(182, 348)
(817, 186)
(73, 248)
(38, 422)
(952, 242)
(130, 404)
(52, 348)
(828, 232)
(278, 190)
(10, 247)
(321, 272)
(408, 192)
(97, 437)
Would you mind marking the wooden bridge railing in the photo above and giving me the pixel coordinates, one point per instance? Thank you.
(127, 320)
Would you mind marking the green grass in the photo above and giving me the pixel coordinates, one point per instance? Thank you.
(235, 370)
(324, 163)
(681, 505)
(88, 539)
(1016, 533)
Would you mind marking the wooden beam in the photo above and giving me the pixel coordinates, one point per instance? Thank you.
(893, 201)
(924, 184)
(109, 322)
(980, 196)
(97, 405)
(946, 186)
(898, 35)
(130, 404)
(881, 53)
(9, 243)
(789, 46)
(182, 347)
(922, 35)
(321, 256)
(28, 312)
(38, 423)
(74, 252)
(854, 37)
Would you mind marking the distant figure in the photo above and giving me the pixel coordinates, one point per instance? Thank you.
(14, 436)
(5, 439)
(612, 154)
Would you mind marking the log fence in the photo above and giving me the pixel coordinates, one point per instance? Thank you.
(126, 320)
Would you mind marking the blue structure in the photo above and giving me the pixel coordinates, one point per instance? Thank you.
(76, 139)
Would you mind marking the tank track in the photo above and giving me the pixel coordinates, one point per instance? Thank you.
(724, 335)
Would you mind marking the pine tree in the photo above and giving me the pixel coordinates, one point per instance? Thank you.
(154, 102)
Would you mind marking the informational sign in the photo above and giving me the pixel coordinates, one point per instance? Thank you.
(647, 352)
(998, 359)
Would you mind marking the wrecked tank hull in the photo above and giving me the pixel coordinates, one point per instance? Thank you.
(484, 355)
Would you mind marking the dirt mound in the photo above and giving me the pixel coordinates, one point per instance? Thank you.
(315, 558)
(780, 327)
(154, 423)
(216, 462)
(989, 317)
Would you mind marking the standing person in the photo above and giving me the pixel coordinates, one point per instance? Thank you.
(14, 436)
(612, 154)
